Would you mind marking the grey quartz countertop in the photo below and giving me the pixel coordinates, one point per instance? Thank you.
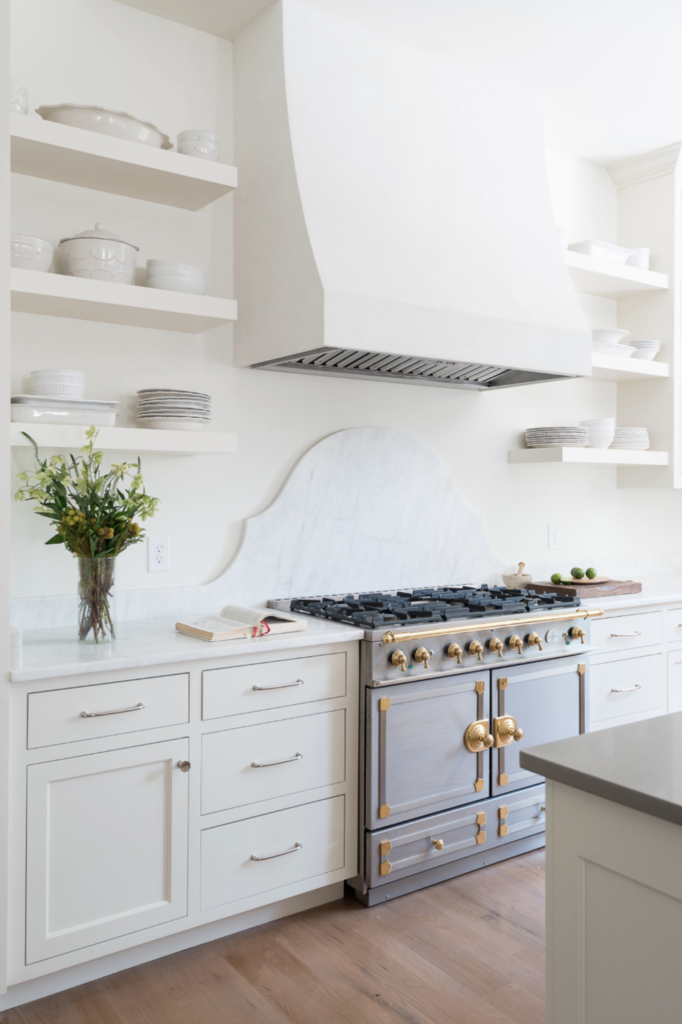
(54, 653)
(655, 590)
(638, 765)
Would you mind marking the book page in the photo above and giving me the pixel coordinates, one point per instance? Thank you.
(243, 616)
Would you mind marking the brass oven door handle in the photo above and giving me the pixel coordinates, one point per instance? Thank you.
(477, 737)
(279, 686)
(628, 689)
(617, 635)
(506, 731)
(269, 764)
(116, 711)
(294, 849)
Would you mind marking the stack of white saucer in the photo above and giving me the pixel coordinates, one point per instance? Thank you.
(167, 409)
(557, 437)
(636, 438)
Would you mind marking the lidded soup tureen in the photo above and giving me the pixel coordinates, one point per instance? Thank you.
(100, 255)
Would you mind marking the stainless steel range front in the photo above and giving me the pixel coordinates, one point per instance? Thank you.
(455, 682)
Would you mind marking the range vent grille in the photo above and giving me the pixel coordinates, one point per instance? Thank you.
(351, 362)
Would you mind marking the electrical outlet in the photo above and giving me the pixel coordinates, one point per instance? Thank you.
(158, 554)
(553, 537)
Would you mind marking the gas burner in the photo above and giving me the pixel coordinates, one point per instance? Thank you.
(428, 604)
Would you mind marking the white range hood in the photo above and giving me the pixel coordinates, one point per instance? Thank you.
(393, 218)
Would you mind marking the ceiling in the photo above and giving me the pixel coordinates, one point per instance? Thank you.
(609, 71)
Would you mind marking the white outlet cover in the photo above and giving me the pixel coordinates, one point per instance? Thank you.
(553, 536)
(158, 554)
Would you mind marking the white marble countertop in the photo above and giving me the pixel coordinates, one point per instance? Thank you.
(54, 653)
(655, 590)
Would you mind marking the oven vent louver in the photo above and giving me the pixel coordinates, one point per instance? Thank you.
(351, 362)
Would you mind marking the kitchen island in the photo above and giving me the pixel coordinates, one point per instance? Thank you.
(614, 886)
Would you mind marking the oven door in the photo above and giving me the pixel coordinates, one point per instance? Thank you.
(546, 700)
(417, 761)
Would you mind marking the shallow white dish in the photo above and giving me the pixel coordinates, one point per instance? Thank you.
(178, 283)
(608, 335)
(82, 417)
(172, 423)
(99, 255)
(29, 253)
(602, 250)
(64, 402)
(106, 122)
(623, 351)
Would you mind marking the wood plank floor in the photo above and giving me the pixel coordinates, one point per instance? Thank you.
(467, 950)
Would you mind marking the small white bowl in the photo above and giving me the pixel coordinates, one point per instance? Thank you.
(178, 283)
(622, 351)
(608, 422)
(157, 268)
(646, 353)
(608, 336)
(29, 253)
(199, 143)
(601, 440)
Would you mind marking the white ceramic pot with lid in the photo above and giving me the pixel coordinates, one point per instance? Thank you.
(99, 255)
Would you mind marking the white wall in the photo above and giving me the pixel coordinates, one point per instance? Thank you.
(180, 78)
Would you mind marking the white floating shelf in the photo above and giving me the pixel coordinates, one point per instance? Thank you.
(134, 305)
(589, 456)
(43, 149)
(131, 440)
(609, 279)
(619, 369)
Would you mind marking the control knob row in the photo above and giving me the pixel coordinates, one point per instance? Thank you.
(476, 649)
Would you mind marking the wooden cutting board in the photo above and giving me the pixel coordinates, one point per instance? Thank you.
(600, 586)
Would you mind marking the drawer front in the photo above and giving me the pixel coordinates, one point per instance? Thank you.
(109, 709)
(273, 684)
(624, 632)
(262, 854)
(673, 625)
(674, 681)
(394, 853)
(259, 762)
(627, 686)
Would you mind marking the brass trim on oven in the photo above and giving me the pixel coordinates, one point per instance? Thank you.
(477, 624)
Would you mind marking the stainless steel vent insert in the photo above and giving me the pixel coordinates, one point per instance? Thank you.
(351, 362)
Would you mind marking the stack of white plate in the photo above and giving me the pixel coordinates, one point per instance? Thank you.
(166, 409)
(557, 437)
(646, 348)
(60, 383)
(636, 438)
(600, 432)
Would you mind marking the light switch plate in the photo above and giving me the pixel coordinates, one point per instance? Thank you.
(158, 554)
(553, 537)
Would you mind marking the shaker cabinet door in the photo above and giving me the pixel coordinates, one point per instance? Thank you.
(106, 846)
(417, 761)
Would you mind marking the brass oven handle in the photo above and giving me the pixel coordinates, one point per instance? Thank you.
(269, 764)
(420, 634)
(636, 633)
(628, 689)
(506, 731)
(477, 736)
(279, 686)
(294, 849)
(116, 711)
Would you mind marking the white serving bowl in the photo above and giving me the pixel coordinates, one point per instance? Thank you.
(18, 97)
(608, 336)
(159, 268)
(599, 439)
(106, 122)
(82, 417)
(602, 250)
(196, 142)
(29, 253)
(622, 351)
(99, 255)
(646, 353)
(178, 283)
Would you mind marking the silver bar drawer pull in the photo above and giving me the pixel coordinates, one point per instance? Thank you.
(269, 764)
(279, 686)
(294, 849)
(628, 689)
(116, 711)
(636, 633)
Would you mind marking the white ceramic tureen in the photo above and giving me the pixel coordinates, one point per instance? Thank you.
(106, 122)
(100, 255)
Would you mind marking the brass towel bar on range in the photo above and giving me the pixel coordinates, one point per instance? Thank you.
(471, 625)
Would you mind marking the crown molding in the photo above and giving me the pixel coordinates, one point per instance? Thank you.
(649, 165)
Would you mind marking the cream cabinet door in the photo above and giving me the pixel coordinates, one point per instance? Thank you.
(106, 846)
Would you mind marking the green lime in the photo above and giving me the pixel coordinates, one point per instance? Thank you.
(590, 573)
(577, 573)
(556, 577)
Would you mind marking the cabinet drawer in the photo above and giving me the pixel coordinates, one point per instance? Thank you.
(673, 630)
(273, 684)
(623, 632)
(259, 762)
(627, 686)
(108, 709)
(265, 853)
(393, 853)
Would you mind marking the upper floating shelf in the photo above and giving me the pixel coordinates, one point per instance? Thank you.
(44, 149)
(620, 369)
(609, 279)
(133, 305)
(132, 440)
(590, 456)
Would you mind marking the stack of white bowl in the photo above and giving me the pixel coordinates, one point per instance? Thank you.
(600, 432)
(636, 438)
(18, 97)
(607, 340)
(176, 277)
(29, 253)
(557, 437)
(196, 142)
(646, 348)
(167, 409)
(58, 383)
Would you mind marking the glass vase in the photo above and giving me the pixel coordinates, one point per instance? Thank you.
(96, 610)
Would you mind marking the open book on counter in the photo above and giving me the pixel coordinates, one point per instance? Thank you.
(235, 623)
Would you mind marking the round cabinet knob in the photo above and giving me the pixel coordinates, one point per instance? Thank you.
(398, 659)
(516, 643)
(495, 644)
(477, 737)
(421, 654)
(535, 641)
(476, 648)
(578, 633)
(438, 843)
(184, 766)
(455, 651)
